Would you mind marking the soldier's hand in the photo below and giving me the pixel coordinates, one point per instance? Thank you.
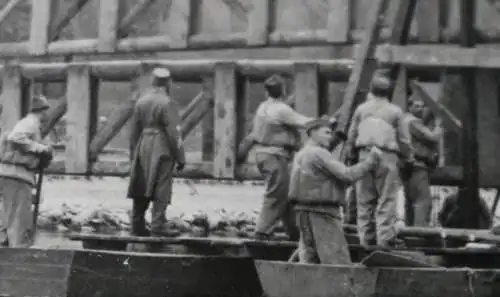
(376, 152)
(180, 166)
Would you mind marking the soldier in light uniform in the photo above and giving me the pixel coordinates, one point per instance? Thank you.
(378, 122)
(158, 151)
(424, 142)
(317, 185)
(22, 153)
(275, 137)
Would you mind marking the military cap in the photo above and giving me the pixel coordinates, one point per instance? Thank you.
(161, 72)
(39, 103)
(274, 80)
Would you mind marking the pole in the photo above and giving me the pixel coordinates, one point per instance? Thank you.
(36, 199)
(468, 199)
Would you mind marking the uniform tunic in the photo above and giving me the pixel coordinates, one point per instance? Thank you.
(158, 146)
(316, 188)
(17, 165)
(275, 131)
(377, 122)
(417, 184)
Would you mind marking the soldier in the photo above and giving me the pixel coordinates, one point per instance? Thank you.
(378, 122)
(415, 175)
(317, 184)
(158, 150)
(276, 137)
(22, 153)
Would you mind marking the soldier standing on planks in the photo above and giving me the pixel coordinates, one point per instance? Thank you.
(317, 183)
(276, 137)
(378, 122)
(415, 175)
(22, 153)
(158, 151)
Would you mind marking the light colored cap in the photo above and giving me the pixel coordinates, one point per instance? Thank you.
(161, 72)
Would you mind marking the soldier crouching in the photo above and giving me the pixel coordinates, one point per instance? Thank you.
(316, 186)
(21, 154)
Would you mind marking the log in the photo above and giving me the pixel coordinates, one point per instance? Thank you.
(179, 26)
(197, 114)
(131, 16)
(467, 235)
(186, 69)
(81, 91)
(365, 66)
(259, 20)
(109, 15)
(55, 114)
(42, 15)
(193, 104)
(339, 20)
(58, 26)
(449, 119)
(428, 20)
(7, 9)
(449, 56)
(225, 126)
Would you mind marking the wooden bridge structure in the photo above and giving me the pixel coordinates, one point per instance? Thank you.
(314, 43)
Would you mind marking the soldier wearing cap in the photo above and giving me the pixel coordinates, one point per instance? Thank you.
(379, 123)
(22, 153)
(275, 137)
(158, 150)
(317, 185)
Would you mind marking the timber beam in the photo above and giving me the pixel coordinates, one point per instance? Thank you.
(438, 56)
(183, 70)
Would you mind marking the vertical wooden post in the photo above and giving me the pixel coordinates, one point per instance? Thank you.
(207, 145)
(14, 98)
(81, 115)
(306, 89)
(259, 22)
(109, 14)
(339, 20)
(428, 20)
(469, 198)
(400, 93)
(225, 120)
(43, 12)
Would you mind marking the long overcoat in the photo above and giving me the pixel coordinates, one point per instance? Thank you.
(156, 146)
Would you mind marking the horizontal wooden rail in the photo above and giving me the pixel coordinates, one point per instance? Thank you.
(183, 70)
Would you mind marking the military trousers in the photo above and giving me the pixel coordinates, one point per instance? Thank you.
(376, 195)
(275, 205)
(16, 216)
(322, 239)
(418, 199)
(351, 211)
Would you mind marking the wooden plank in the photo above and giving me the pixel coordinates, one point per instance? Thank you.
(259, 22)
(339, 20)
(7, 9)
(109, 14)
(13, 99)
(393, 259)
(179, 26)
(225, 120)
(428, 20)
(43, 12)
(306, 89)
(364, 66)
(55, 114)
(449, 119)
(79, 93)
